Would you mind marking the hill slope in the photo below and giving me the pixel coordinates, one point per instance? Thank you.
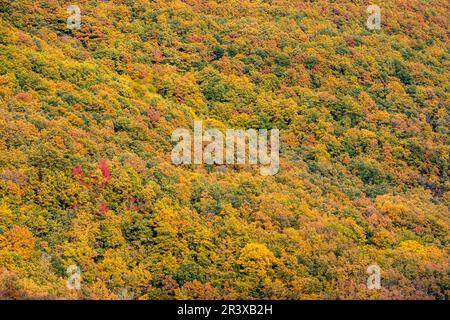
(86, 177)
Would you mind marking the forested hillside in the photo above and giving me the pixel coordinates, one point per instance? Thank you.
(86, 178)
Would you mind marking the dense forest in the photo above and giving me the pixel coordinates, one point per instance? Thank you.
(86, 178)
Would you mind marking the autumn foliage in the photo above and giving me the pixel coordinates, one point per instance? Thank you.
(86, 177)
